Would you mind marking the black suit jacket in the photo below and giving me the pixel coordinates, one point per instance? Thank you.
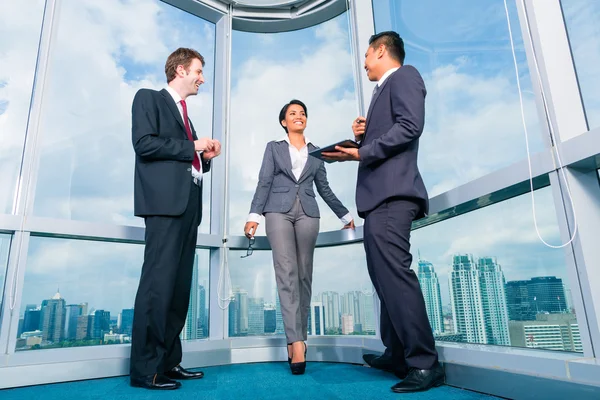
(389, 149)
(164, 155)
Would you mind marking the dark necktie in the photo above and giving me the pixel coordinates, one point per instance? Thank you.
(375, 90)
(188, 130)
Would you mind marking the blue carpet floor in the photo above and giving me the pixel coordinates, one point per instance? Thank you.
(322, 381)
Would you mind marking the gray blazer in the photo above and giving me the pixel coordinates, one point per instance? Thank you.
(277, 186)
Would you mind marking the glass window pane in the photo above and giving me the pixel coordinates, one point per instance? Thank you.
(313, 65)
(487, 278)
(473, 123)
(87, 159)
(21, 22)
(338, 306)
(581, 17)
(4, 249)
(81, 293)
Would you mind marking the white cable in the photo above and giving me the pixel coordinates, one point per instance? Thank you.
(356, 83)
(554, 141)
(224, 274)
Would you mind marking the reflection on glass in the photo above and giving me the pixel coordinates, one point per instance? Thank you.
(487, 278)
(4, 249)
(581, 17)
(313, 65)
(21, 22)
(81, 293)
(473, 122)
(338, 307)
(87, 159)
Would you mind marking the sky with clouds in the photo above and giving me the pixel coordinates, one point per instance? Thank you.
(103, 52)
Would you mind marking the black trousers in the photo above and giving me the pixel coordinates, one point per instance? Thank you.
(163, 295)
(404, 325)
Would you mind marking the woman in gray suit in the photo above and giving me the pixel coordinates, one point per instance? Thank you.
(286, 197)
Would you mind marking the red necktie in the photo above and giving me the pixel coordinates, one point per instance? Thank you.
(188, 130)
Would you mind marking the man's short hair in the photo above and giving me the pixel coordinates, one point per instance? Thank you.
(392, 42)
(181, 56)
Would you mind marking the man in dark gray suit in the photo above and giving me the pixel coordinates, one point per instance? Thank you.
(169, 163)
(390, 194)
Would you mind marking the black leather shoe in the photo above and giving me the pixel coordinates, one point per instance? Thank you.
(379, 362)
(179, 372)
(156, 382)
(419, 380)
(385, 363)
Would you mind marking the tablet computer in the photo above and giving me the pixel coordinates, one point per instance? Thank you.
(331, 148)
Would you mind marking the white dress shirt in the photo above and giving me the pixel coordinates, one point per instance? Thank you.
(385, 76)
(299, 159)
(177, 98)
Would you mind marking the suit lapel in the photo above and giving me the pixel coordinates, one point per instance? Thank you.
(309, 163)
(284, 153)
(375, 98)
(173, 107)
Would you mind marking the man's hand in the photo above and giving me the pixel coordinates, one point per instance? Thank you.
(204, 144)
(342, 154)
(358, 127)
(250, 229)
(210, 154)
(349, 225)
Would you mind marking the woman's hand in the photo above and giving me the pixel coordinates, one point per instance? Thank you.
(349, 225)
(250, 229)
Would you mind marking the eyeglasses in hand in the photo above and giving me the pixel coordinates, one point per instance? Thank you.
(250, 249)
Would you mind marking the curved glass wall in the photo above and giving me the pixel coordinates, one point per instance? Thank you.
(581, 18)
(4, 249)
(21, 22)
(473, 123)
(487, 278)
(81, 293)
(485, 275)
(342, 295)
(313, 65)
(86, 157)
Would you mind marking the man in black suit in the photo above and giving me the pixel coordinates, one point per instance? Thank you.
(169, 164)
(390, 194)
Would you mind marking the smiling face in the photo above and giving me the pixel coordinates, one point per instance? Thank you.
(295, 119)
(372, 62)
(190, 79)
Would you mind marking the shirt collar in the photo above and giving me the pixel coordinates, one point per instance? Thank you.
(287, 139)
(385, 76)
(176, 97)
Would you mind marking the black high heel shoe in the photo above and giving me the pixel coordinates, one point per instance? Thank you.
(299, 368)
(289, 358)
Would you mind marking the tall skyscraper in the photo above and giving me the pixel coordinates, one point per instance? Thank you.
(32, 318)
(190, 329)
(127, 321)
(270, 319)
(368, 316)
(202, 313)
(347, 324)
(53, 318)
(73, 311)
(238, 313)
(517, 301)
(256, 316)
(279, 329)
(465, 297)
(430, 286)
(316, 319)
(547, 294)
(331, 303)
(493, 299)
